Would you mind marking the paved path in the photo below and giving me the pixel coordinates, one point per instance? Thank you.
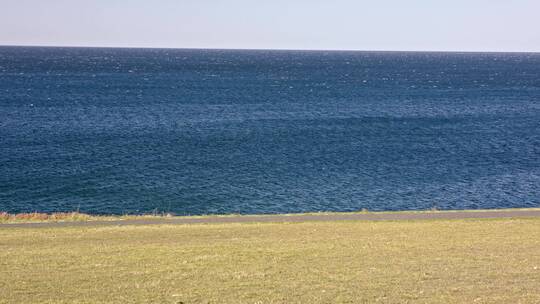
(373, 216)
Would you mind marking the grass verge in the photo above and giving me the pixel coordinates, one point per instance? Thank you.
(33, 217)
(436, 261)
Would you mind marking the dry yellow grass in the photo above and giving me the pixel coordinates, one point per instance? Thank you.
(39, 217)
(443, 261)
(32, 217)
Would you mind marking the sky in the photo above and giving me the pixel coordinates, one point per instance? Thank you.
(398, 25)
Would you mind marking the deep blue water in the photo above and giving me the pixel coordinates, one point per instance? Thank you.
(214, 131)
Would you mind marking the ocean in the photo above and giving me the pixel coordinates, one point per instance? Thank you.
(123, 131)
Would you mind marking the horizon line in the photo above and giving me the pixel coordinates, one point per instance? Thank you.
(261, 49)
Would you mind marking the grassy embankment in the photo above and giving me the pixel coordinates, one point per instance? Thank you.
(433, 261)
(7, 218)
(32, 217)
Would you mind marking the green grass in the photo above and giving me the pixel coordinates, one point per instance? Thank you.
(433, 261)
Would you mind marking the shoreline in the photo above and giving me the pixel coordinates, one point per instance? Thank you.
(33, 220)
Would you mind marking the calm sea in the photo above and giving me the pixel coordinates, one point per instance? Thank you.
(215, 131)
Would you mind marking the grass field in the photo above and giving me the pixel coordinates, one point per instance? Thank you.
(433, 261)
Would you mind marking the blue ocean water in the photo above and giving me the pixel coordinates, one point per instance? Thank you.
(223, 131)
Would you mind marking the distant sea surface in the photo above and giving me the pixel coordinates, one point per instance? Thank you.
(224, 131)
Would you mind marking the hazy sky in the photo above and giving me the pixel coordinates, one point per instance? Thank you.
(465, 25)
